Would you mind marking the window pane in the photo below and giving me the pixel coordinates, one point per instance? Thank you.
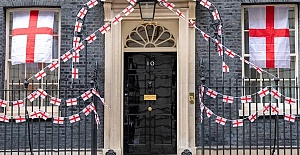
(16, 72)
(246, 19)
(292, 18)
(288, 72)
(292, 41)
(246, 42)
(32, 69)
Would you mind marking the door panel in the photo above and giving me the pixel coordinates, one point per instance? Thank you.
(150, 125)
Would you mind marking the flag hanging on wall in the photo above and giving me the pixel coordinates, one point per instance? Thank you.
(269, 45)
(32, 36)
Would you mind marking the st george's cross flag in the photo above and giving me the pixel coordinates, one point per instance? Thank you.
(269, 37)
(32, 36)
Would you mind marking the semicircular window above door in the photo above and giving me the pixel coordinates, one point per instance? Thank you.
(150, 36)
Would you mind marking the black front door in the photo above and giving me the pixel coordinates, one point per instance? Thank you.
(149, 123)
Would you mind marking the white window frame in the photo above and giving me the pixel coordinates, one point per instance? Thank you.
(52, 110)
(244, 111)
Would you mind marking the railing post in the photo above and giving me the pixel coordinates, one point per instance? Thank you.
(93, 84)
(276, 80)
(26, 83)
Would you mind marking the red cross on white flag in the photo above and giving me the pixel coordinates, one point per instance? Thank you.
(104, 28)
(78, 27)
(225, 68)
(74, 118)
(237, 123)
(216, 15)
(55, 101)
(220, 30)
(263, 92)
(252, 117)
(205, 3)
(275, 93)
(192, 23)
(227, 99)
(209, 113)
(266, 108)
(95, 92)
(76, 41)
(44, 115)
(221, 120)
(211, 93)
(132, 2)
(220, 47)
(87, 110)
(32, 36)
(31, 97)
(205, 36)
(92, 3)
(128, 10)
(97, 119)
(86, 95)
(75, 57)
(65, 57)
(40, 74)
(93, 108)
(117, 19)
(20, 119)
(58, 120)
(81, 14)
(290, 117)
(287, 100)
(180, 14)
(41, 93)
(19, 103)
(3, 103)
(91, 38)
(229, 53)
(201, 92)
(53, 66)
(35, 114)
(246, 99)
(169, 5)
(71, 101)
(269, 34)
(4, 118)
(259, 70)
(274, 109)
(74, 73)
(79, 47)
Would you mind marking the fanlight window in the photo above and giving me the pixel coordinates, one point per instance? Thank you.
(150, 36)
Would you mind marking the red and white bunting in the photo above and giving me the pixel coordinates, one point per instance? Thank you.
(128, 10)
(246, 99)
(79, 47)
(252, 117)
(211, 93)
(104, 28)
(237, 123)
(53, 66)
(97, 120)
(229, 53)
(266, 108)
(92, 3)
(58, 120)
(31, 97)
(78, 27)
(20, 119)
(41, 93)
(19, 103)
(192, 23)
(132, 2)
(35, 114)
(87, 110)
(55, 101)
(216, 15)
(290, 117)
(209, 113)
(201, 92)
(201, 113)
(74, 118)
(95, 92)
(275, 93)
(3, 103)
(221, 120)
(91, 38)
(4, 118)
(220, 30)
(76, 41)
(263, 92)
(227, 99)
(169, 5)
(44, 115)
(74, 73)
(40, 74)
(287, 100)
(93, 108)
(259, 70)
(244, 60)
(65, 57)
(220, 47)
(71, 101)
(205, 36)
(225, 68)
(274, 109)
(205, 3)
(81, 14)
(86, 95)
(75, 57)
(117, 19)
(180, 14)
